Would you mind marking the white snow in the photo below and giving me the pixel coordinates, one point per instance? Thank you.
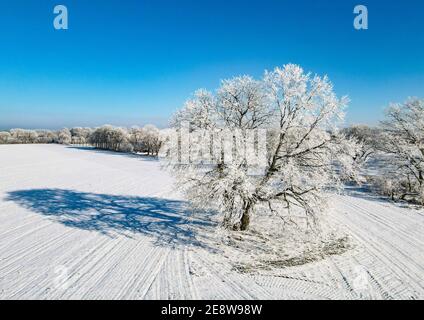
(80, 224)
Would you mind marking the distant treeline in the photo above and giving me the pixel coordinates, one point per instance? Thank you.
(147, 139)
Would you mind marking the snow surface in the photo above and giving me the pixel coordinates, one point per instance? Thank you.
(77, 223)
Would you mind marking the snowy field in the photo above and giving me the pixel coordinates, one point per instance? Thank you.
(83, 224)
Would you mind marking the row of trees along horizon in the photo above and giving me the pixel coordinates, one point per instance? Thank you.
(141, 140)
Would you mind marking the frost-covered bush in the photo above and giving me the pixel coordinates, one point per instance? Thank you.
(305, 153)
(385, 186)
(125, 147)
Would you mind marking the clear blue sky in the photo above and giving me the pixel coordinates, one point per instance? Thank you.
(134, 61)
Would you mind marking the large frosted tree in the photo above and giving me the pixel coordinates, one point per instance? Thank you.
(403, 144)
(305, 155)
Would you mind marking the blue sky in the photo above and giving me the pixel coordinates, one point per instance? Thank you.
(136, 62)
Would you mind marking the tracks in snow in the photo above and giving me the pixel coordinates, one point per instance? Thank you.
(36, 247)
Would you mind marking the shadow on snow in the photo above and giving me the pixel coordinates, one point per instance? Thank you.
(143, 157)
(168, 222)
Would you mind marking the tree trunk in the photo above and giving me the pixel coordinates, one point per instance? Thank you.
(245, 218)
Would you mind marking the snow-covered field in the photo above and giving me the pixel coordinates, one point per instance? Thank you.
(79, 224)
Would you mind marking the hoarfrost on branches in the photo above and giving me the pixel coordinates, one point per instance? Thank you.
(402, 142)
(305, 153)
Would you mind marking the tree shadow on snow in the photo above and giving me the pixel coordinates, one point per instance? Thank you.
(115, 153)
(168, 222)
(366, 192)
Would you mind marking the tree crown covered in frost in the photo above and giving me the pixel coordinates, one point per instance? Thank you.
(402, 141)
(305, 154)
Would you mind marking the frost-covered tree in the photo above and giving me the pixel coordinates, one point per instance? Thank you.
(365, 147)
(151, 139)
(367, 137)
(24, 136)
(80, 135)
(5, 137)
(304, 152)
(136, 138)
(46, 136)
(28, 136)
(403, 145)
(64, 136)
(111, 138)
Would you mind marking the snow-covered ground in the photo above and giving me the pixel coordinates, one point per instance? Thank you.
(78, 223)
